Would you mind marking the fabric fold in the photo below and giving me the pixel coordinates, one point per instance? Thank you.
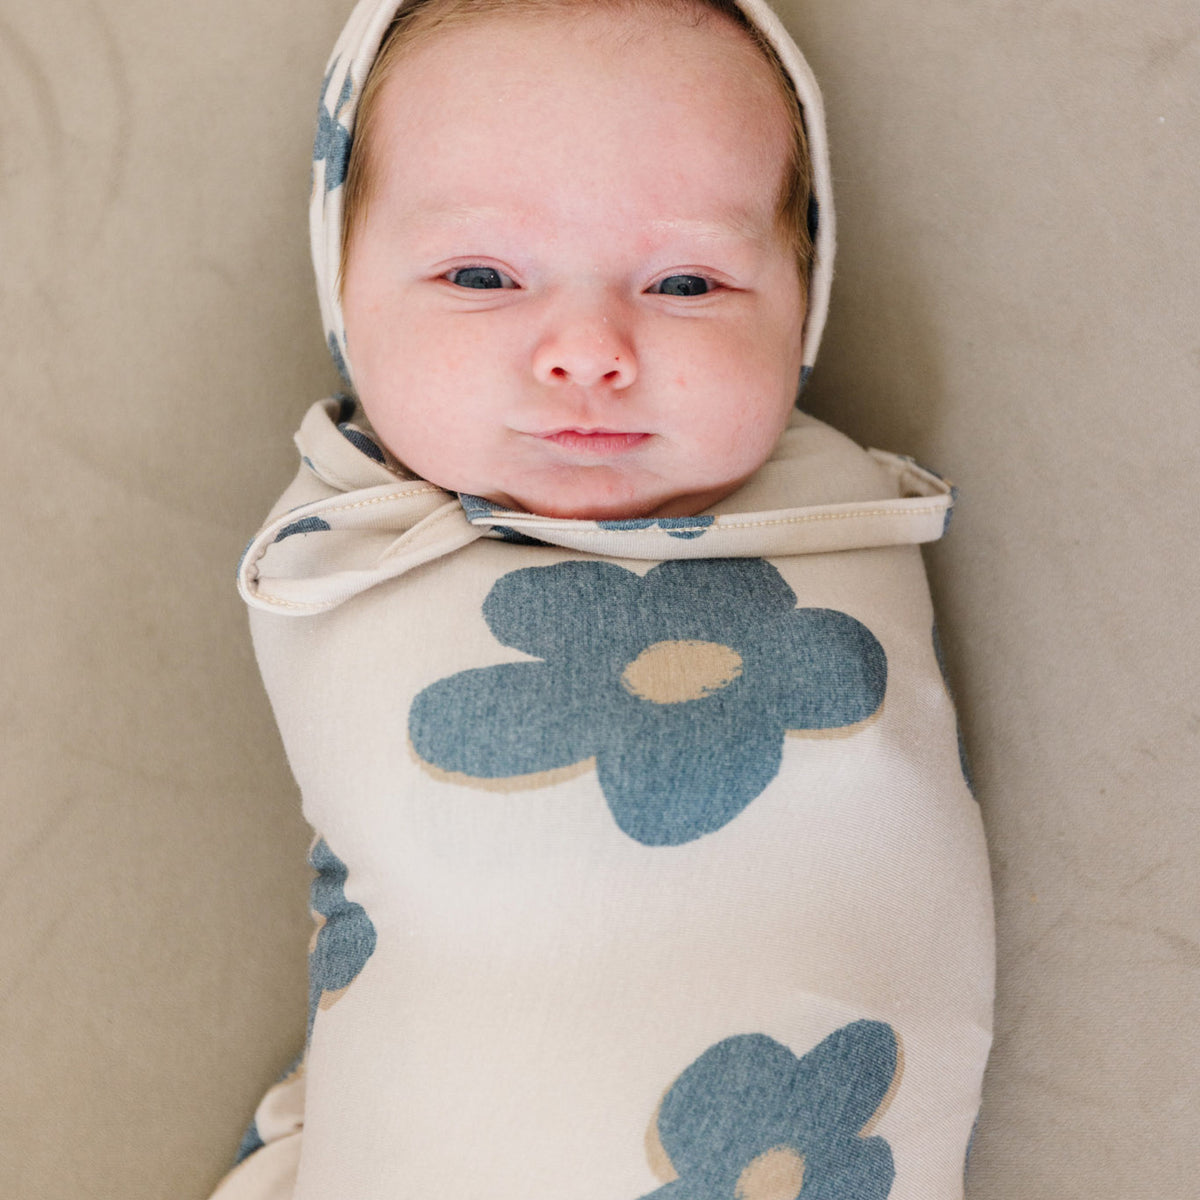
(363, 522)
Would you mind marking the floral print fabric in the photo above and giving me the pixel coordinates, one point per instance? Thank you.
(748, 1120)
(679, 685)
(344, 937)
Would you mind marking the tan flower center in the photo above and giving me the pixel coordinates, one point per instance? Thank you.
(672, 672)
(774, 1175)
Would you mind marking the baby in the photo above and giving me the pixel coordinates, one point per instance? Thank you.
(646, 862)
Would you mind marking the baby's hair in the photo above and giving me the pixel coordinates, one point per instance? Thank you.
(420, 19)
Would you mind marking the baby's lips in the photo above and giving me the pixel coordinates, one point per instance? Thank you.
(594, 441)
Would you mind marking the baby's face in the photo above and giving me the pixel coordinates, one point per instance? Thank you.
(570, 294)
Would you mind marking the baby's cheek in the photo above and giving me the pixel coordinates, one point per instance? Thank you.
(745, 440)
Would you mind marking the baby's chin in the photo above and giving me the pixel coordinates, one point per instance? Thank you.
(584, 507)
(565, 508)
(589, 512)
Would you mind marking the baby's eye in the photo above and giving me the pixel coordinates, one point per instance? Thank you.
(479, 277)
(682, 285)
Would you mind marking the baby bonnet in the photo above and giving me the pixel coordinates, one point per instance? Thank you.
(346, 72)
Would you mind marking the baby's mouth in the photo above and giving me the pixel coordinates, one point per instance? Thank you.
(597, 442)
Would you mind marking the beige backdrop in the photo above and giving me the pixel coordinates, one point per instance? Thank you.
(1016, 304)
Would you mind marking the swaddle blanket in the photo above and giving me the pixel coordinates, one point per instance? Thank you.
(646, 863)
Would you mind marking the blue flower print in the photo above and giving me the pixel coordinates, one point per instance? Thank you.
(332, 142)
(251, 1143)
(678, 686)
(360, 441)
(676, 527)
(339, 359)
(943, 479)
(344, 937)
(252, 1140)
(967, 1156)
(748, 1120)
(304, 525)
(477, 508)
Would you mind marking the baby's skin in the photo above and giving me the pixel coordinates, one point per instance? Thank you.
(620, 338)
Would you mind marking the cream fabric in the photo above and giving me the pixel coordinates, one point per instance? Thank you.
(392, 523)
(569, 853)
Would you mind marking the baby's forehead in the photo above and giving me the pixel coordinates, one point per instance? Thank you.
(554, 54)
(483, 112)
(626, 28)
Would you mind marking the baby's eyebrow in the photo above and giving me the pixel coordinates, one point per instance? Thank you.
(736, 225)
(455, 215)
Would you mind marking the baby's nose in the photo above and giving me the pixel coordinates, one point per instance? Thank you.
(586, 346)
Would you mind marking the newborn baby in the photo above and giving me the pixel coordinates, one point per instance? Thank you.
(646, 861)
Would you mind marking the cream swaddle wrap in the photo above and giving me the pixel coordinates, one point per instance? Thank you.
(646, 861)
